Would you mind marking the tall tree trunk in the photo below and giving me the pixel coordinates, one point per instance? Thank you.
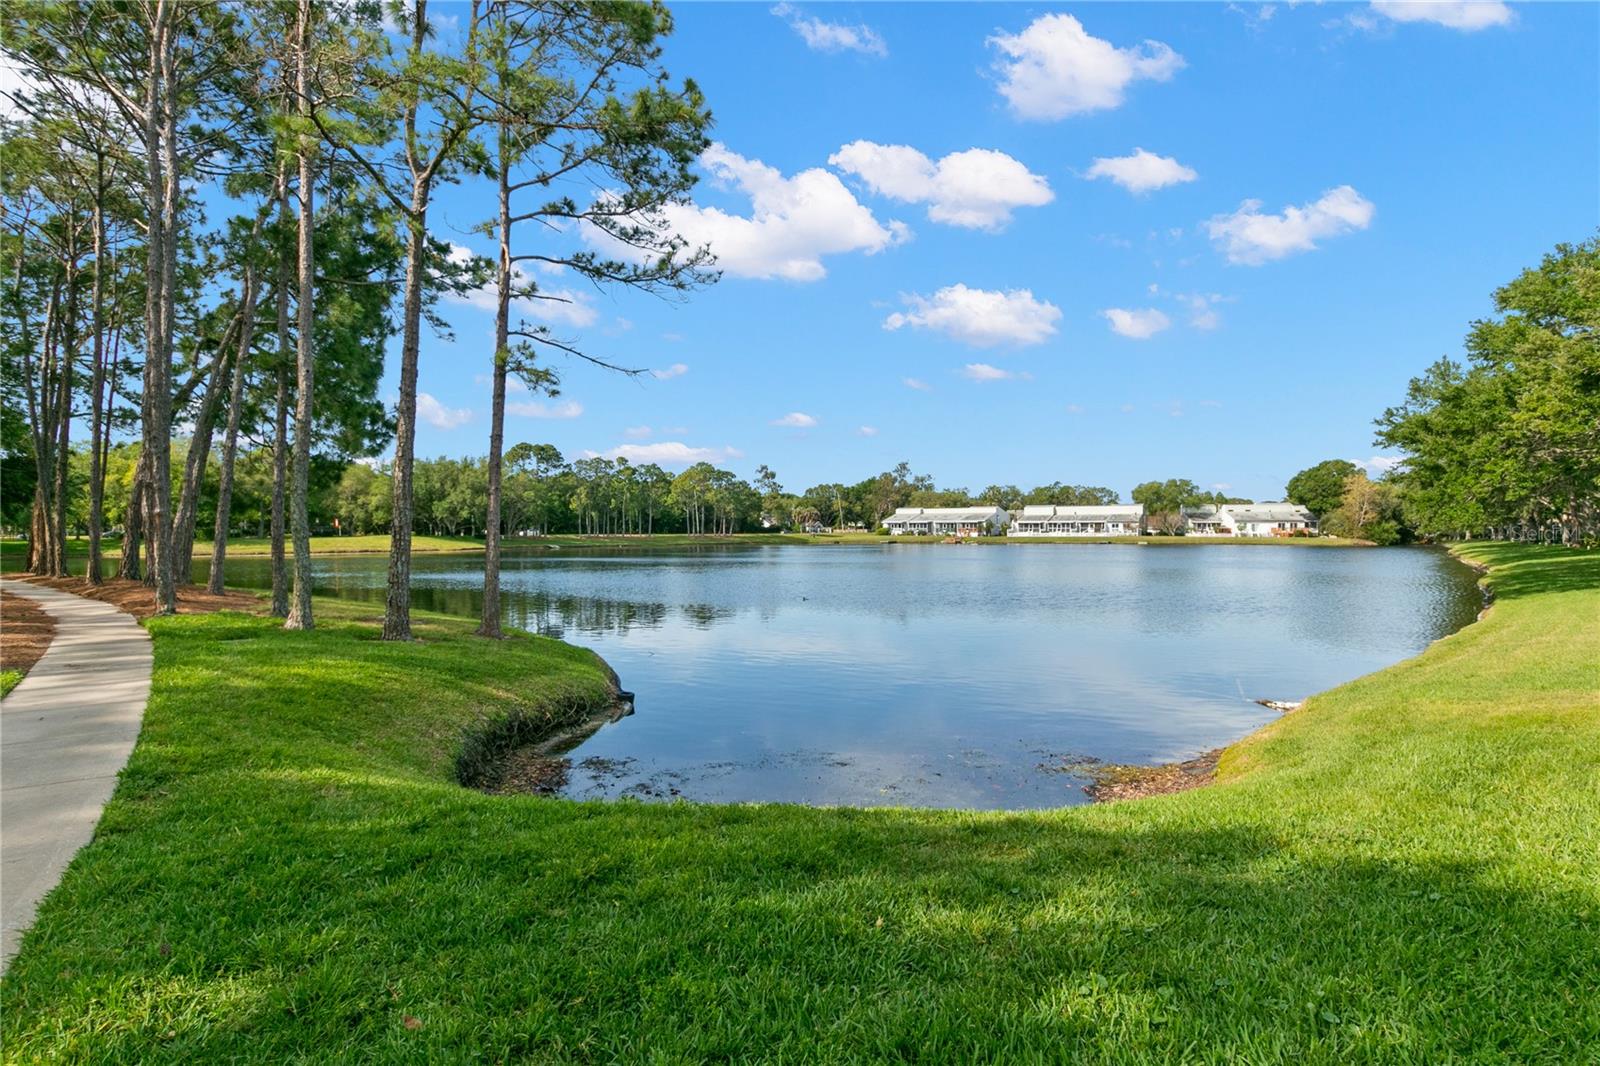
(199, 454)
(20, 310)
(230, 441)
(490, 625)
(40, 405)
(160, 131)
(133, 528)
(97, 421)
(305, 354)
(397, 604)
(280, 446)
(397, 600)
(68, 357)
(194, 474)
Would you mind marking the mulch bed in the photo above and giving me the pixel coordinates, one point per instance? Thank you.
(139, 599)
(26, 630)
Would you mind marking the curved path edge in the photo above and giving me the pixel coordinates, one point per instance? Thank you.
(65, 733)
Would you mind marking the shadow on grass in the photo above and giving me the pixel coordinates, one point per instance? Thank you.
(1532, 569)
(329, 908)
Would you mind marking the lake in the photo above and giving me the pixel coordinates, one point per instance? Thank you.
(934, 675)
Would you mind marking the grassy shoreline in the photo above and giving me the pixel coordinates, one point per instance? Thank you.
(1407, 869)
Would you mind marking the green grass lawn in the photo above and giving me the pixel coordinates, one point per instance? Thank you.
(9, 679)
(1406, 870)
(363, 545)
(14, 553)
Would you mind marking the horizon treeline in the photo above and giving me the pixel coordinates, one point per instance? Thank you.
(544, 492)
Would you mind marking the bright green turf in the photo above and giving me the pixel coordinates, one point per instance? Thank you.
(1407, 870)
(9, 679)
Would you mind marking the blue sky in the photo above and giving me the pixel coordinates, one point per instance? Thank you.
(1326, 196)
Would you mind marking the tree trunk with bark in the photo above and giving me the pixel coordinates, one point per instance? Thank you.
(194, 470)
(162, 190)
(230, 440)
(280, 445)
(300, 592)
(65, 363)
(490, 624)
(97, 416)
(397, 604)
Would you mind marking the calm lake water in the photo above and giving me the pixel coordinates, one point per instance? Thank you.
(939, 676)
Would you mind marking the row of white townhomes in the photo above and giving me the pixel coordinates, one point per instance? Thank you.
(1121, 519)
(1249, 520)
(949, 521)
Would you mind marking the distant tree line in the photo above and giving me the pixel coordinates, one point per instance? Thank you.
(543, 492)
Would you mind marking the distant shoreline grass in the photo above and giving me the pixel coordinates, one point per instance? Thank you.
(1406, 869)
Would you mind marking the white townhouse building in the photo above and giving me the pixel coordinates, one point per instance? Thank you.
(1249, 520)
(947, 521)
(1205, 521)
(1049, 520)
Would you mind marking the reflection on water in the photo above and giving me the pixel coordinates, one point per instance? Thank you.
(934, 675)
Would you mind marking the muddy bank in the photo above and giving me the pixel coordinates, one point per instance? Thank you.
(523, 751)
(1109, 782)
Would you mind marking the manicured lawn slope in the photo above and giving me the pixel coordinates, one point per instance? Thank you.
(1408, 869)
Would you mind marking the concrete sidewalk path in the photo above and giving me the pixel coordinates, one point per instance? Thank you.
(65, 733)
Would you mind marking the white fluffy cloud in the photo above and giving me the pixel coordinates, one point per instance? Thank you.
(981, 318)
(1054, 68)
(1140, 323)
(669, 453)
(977, 188)
(437, 414)
(1379, 464)
(676, 370)
(821, 36)
(1142, 171)
(1467, 15)
(916, 383)
(1247, 236)
(868, 431)
(793, 222)
(795, 420)
(538, 409)
(985, 372)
